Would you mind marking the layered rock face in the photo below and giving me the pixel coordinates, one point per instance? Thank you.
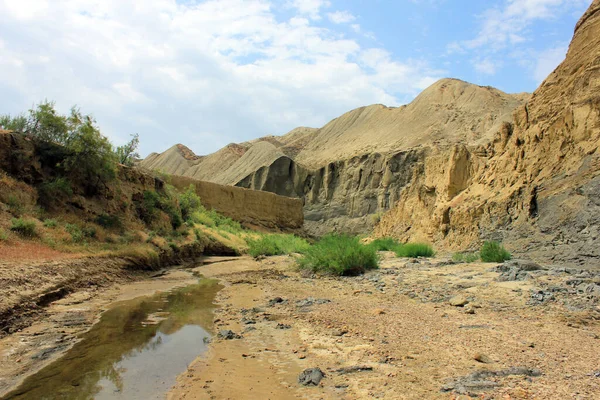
(536, 186)
(354, 168)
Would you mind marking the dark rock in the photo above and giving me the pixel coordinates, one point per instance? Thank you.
(311, 376)
(276, 300)
(517, 270)
(540, 296)
(228, 335)
(354, 368)
(283, 326)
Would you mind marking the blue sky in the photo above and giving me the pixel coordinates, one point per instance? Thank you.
(207, 73)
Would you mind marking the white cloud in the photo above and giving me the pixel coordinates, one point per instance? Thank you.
(485, 66)
(506, 30)
(341, 17)
(204, 74)
(310, 7)
(547, 62)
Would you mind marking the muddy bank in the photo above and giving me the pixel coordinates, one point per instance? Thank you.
(26, 288)
(46, 339)
(426, 329)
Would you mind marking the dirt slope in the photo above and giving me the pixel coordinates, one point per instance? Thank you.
(355, 167)
(536, 186)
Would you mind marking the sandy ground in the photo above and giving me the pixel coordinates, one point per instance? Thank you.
(532, 341)
(392, 333)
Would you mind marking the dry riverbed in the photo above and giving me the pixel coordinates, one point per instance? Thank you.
(413, 329)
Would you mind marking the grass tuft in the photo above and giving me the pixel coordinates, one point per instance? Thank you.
(50, 223)
(494, 252)
(276, 244)
(385, 244)
(414, 250)
(465, 257)
(23, 227)
(339, 255)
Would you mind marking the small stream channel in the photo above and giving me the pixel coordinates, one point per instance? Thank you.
(135, 351)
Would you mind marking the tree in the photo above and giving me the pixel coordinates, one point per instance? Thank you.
(127, 153)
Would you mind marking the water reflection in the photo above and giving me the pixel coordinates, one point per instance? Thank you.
(135, 351)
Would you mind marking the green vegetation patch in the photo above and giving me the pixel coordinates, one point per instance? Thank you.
(23, 227)
(3, 235)
(466, 257)
(494, 252)
(339, 255)
(276, 244)
(50, 223)
(385, 244)
(414, 250)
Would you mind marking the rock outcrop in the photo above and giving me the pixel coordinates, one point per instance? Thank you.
(536, 185)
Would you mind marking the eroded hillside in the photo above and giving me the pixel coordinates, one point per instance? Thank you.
(355, 167)
(536, 186)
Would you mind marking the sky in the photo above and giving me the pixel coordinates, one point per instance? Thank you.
(212, 72)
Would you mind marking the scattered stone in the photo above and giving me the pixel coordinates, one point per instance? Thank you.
(480, 380)
(276, 300)
(517, 270)
(227, 334)
(310, 301)
(249, 329)
(539, 296)
(378, 311)
(354, 368)
(469, 309)
(311, 376)
(482, 358)
(339, 332)
(458, 301)
(283, 326)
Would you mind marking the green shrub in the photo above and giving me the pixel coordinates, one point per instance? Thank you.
(202, 218)
(3, 235)
(25, 228)
(339, 255)
(50, 193)
(109, 221)
(75, 232)
(465, 257)
(50, 223)
(15, 206)
(385, 244)
(276, 244)
(494, 252)
(198, 234)
(189, 202)
(415, 250)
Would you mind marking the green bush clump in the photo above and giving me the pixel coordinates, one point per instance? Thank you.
(3, 235)
(494, 252)
(414, 250)
(23, 227)
(202, 218)
(339, 255)
(15, 206)
(276, 244)
(465, 257)
(50, 223)
(385, 244)
(79, 234)
(109, 221)
(189, 202)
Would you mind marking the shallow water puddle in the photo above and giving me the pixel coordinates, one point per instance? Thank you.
(135, 351)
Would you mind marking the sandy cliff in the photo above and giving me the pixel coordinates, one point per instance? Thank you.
(536, 185)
